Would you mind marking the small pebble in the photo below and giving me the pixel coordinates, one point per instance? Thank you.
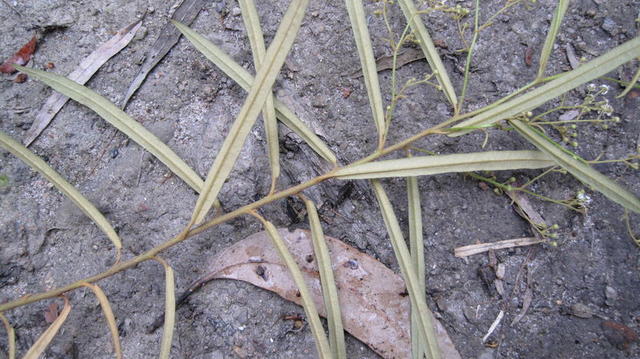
(114, 153)
(235, 11)
(581, 311)
(611, 295)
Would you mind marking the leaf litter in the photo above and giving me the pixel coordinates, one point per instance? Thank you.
(81, 75)
(21, 57)
(373, 300)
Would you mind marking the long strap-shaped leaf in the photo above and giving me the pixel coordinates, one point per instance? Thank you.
(565, 83)
(120, 120)
(261, 88)
(169, 310)
(408, 274)
(431, 54)
(252, 24)
(558, 15)
(243, 78)
(368, 62)
(43, 341)
(108, 315)
(579, 169)
(322, 344)
(63, 186)
(11, 337)
(416, 246)
(327, 280)
(459, 162)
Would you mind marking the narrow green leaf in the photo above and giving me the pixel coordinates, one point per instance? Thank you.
(631, 84)
(431, 54)
(416, 245)
(558, 15)
(416, 295)
(252, 24)
(459, 162)
(243, 78)
(108, 315)
(260, 90)
(565, 83)
(35, 162)
(322, 344)
(120, 120)
(11, 337)
(368, 62)
(582, 171)
(329, 289)
(43, 341)
(169, 310)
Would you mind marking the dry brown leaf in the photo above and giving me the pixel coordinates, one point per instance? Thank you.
(375, 306)
(51, 313)
(81, 75)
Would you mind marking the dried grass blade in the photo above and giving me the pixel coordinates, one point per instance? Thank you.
(108, 315)
(81, 75)
(329, 289)
(425, 317)
(472, 249)
(186, 12)
(256, 40)
(120, 120)
(416, 246)
(579, 169)
(243, 78)
(564, 83)
(459, 162)
(368, 63)
(260, 89)
(411, 14)
(169, 309)
(43, 341)
(11, 337)
(558, 15)
(63, 186)
(322, 344)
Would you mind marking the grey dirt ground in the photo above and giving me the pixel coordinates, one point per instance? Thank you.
(590, 276)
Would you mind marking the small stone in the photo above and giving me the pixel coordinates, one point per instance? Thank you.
(319, 102)
(610, 26)
(236, 11)
(581, 311)
(611, 295)
(501, 270)
(140, 34)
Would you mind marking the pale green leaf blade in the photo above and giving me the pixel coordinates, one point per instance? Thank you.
(459, 162)
(431, 54)
(43, 341)
(582, 171)
(256, 40)
(120, 120)
(11, 337)
(243, 78)
(329, 289)
(108, 315)
(558, 15)
(564, 83)
(631, 84)
(169, 310)
(260, 89)
(416, 295)
(368, 63)
(35, 162)
(416, 246)
(322, 344)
